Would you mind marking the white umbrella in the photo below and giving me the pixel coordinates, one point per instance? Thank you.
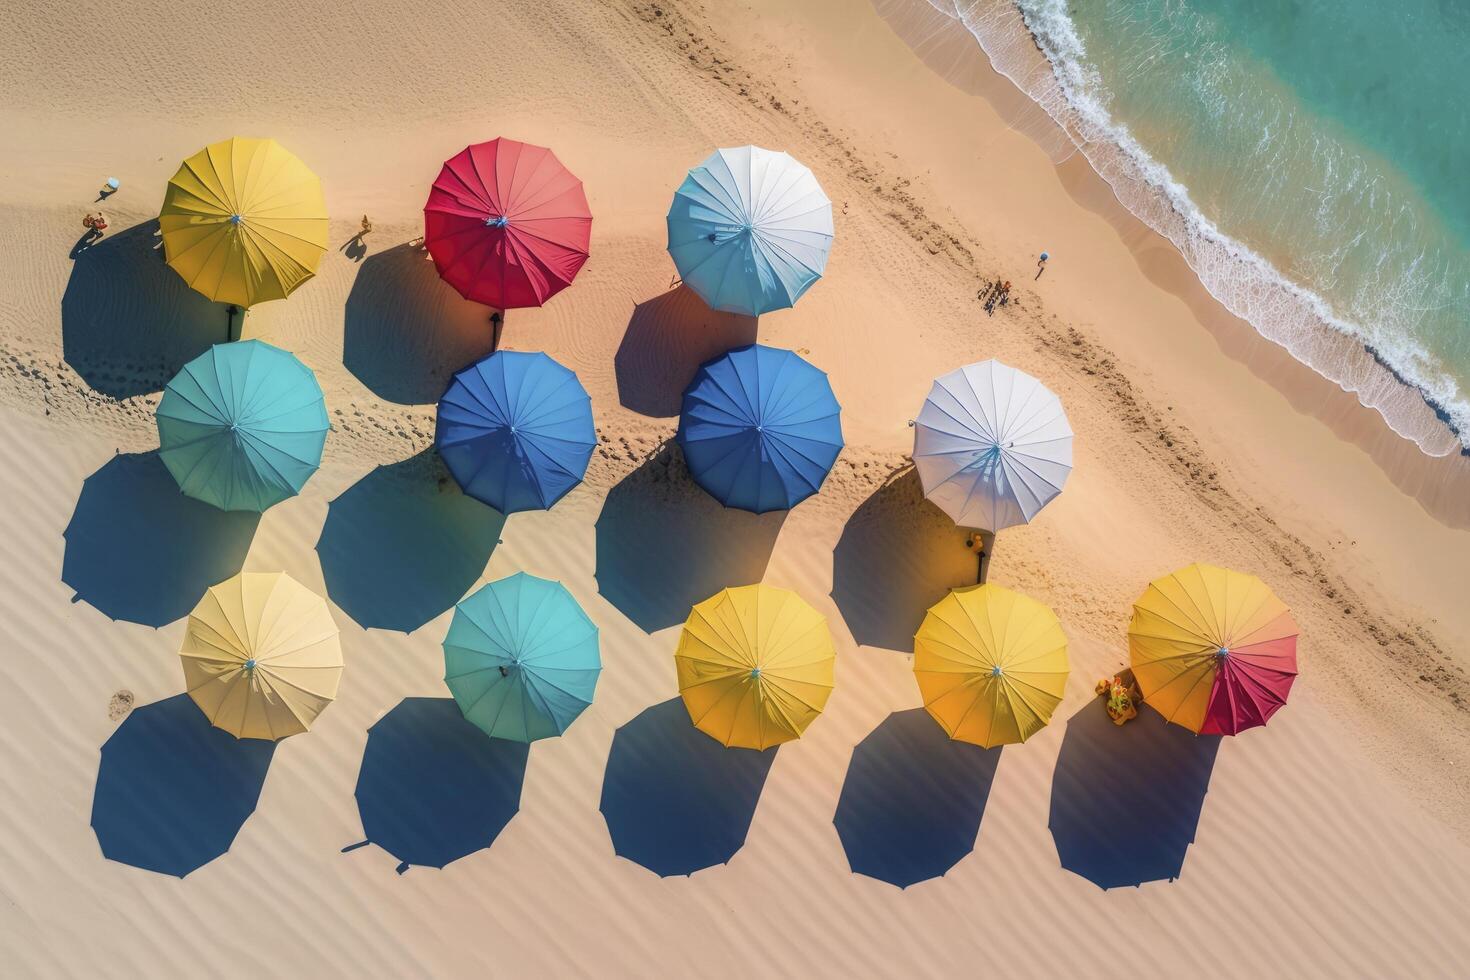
(992, 445)
(749, 230)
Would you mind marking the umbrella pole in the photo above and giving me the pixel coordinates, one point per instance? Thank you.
(496, 320)
(230, 323)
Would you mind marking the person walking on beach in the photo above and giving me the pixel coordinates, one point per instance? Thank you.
(95, 224)
(1041, 264)
(367, 227)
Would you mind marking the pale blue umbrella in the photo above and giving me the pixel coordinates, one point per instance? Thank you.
(521, 658)
(242, 426)
(749, 230)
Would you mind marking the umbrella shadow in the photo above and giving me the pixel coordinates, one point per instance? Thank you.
(912, 802)
(404, 543)
(137, 549)
(1125, 801)
(663, 544)
(667, 339)
(173, 791)
(433, 788)
(406, 331)
(128, 321)
(675, 800)
(897, 556)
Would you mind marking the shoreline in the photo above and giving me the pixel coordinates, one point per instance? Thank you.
(1440, 483)
(1312, 334)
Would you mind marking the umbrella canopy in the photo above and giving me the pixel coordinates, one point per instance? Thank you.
(261, 656)
(749, 230)
(991, 665)
(755, 666)
(521, 658)
(507, 224)
(244, 221)
(992, 445)
(242, 426)
(1213, 650)
(760, 428)
(516, 430)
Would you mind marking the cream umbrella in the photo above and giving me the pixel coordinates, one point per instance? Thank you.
(261, 656)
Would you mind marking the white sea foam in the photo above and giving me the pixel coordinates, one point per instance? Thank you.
(1387, 371)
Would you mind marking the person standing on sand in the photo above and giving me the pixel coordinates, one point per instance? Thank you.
(367, 227)
(1041, 264)
(95, 224)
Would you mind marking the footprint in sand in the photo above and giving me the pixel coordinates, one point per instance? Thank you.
(120, 705)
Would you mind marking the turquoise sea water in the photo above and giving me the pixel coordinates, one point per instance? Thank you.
(1309, 157)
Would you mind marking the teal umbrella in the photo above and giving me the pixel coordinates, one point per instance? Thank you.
(242, 426)
(521, 658)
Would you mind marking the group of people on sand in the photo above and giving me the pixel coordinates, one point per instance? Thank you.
(995, 294)
(998, 293)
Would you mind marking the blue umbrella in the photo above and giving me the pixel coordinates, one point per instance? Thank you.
(749, 230)
(521, 658)
(516, 430)
(760, 428)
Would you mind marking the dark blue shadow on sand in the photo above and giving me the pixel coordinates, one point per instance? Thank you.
(433, 787)
(139, 550)
(912, 803)
(674, 799)
(173, 791)
(1125, 801)
(403, 544)
(663, 544)
(667, 339)
(406, 331)
(897, 556)
(128, 321)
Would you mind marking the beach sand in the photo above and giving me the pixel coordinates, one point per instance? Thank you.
(1335, 842)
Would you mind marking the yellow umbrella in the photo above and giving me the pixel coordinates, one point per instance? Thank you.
(244, 221)
(1213, 650)
(755, 666)
(991, 665)
(261, 657)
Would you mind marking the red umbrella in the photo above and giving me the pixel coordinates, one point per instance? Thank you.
(507, 224)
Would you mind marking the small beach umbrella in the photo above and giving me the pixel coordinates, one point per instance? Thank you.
(516, 430)
(992, 446)
(521, 658)
(991, 665)
(749, 230)
(1212, 650)
(755, 666)
(760, 428)
(507, 224)
(242, 426)
(261, 655)
(244, 221)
